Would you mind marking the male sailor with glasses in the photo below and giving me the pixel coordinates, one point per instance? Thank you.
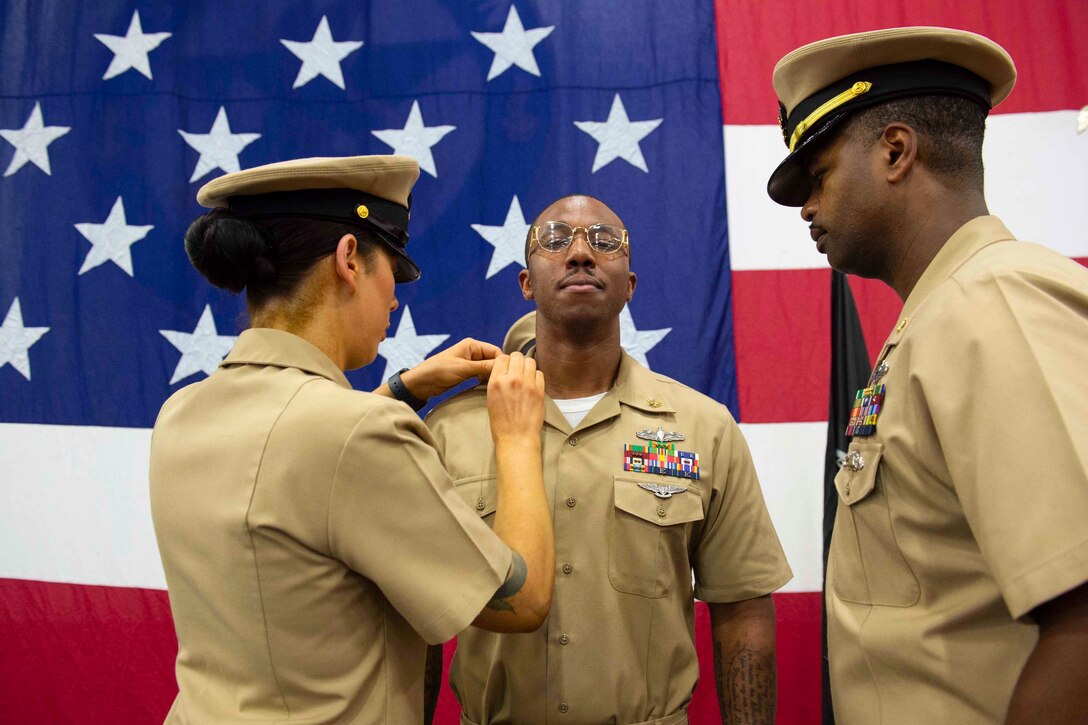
(648, 480)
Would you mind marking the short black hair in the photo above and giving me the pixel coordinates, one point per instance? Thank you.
(950, 130)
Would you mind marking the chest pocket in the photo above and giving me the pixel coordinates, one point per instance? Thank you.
(481, 493)
(868, 565)
(648, 538)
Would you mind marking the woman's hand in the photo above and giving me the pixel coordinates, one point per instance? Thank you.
(454, 365)
(515, 399)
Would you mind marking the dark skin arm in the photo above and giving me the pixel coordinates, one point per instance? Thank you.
(1053, 686)
(744, 660)
(432, 681)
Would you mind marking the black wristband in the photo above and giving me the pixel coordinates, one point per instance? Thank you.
(401, 392)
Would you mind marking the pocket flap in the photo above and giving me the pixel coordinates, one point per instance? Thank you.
(665, 507)
(857, 476)
(481, 493)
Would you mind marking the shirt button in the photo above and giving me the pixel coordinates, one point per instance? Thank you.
(571, 502)
(480, 505)
(661, 511)
(573, 440)
(563, 707)
(568, 568)
(564, 639)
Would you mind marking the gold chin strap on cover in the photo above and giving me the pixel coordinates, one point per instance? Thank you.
(859, 88)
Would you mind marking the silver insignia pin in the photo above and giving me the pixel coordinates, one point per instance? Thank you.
(881, 371)
(660, 491)
(659, 435)
(854, 461)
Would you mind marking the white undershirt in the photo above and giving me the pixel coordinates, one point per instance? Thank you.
(576, 408)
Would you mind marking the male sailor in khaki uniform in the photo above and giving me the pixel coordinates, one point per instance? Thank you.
(956, 579)
(647, 480)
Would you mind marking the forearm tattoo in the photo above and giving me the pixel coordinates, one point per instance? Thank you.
(746, 685)
(432, 681)
(515, 580)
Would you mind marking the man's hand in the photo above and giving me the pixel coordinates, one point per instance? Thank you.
(454, 365)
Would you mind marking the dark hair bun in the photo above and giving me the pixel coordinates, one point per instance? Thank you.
(232, 253)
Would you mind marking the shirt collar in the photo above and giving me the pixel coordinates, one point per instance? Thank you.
(265, 346)
(962, 245)
(635, 386)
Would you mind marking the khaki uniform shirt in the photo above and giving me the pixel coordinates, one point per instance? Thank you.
(970, 507)
(618, 645)
(311, 542)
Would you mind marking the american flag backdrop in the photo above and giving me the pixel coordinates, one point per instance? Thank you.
(113, 113)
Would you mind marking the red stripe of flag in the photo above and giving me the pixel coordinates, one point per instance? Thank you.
(753, 35)
(116, 648)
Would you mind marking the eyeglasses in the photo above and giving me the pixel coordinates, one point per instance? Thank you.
(556, 236)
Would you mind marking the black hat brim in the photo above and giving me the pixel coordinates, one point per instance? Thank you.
(387, 221)
(407, 269)
(790, 183)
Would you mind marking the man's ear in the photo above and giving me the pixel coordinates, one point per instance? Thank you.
(525, 284)
(631, 281)
(899, 151)
(348, 263)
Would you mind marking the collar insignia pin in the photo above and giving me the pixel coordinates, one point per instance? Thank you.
(653, 402)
